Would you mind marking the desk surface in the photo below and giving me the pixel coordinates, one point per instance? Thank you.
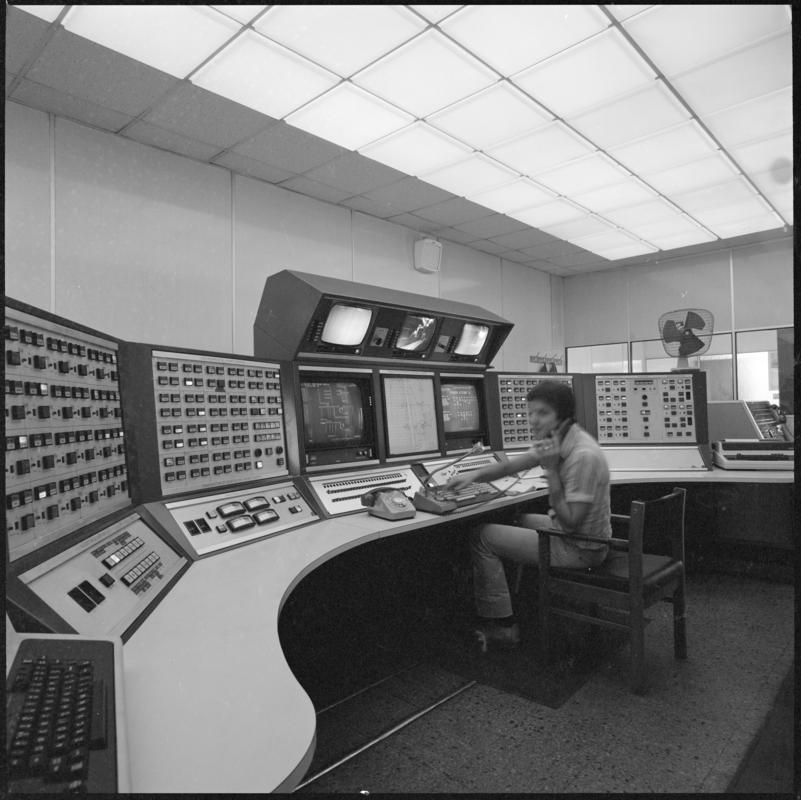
(212, 705)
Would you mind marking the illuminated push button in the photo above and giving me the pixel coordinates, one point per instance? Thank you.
(230, 509)
(263, 517)
(256, 503)
(238, 524)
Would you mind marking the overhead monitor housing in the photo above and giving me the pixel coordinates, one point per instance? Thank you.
(305, 316)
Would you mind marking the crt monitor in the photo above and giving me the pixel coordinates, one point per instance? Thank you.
(471, 340)
(410, 416)
(346, 325)
(463, 414)
(338, 417)
(416, 333)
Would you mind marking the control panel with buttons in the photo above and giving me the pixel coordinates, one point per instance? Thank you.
(199, 421)
(211, 523)
(65, 449)
(102, 585)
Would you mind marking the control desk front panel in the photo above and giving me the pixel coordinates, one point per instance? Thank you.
(201, 421)
(102, 584)
(65, 451)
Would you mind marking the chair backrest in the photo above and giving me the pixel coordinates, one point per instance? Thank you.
(657, 526)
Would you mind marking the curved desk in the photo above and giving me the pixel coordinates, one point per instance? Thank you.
(212, 705)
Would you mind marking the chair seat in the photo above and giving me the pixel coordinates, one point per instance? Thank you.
(614, 572)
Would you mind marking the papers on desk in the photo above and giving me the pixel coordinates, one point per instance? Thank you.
(528, 480)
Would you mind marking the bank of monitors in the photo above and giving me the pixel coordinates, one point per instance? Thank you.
(402, 334)
(198, 421)
(337, 417)
(342, 327)
(65, 450)
(409, 414)
(464, 419)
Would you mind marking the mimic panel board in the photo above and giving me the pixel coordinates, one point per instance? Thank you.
(341, 493)
(208, 524)
(103, 584)
(65, 453)
(646, 409)
(512, 389)
(200, 421)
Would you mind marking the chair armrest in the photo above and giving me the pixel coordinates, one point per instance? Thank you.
(580, 537)
(621, 517)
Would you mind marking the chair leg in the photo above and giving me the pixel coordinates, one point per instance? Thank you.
(679, 622)
(544, 605)
(637, 651)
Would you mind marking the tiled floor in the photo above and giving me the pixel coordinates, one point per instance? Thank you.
(688, 733)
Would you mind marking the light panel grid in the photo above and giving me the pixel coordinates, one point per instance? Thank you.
(521, 193)
(470, 176)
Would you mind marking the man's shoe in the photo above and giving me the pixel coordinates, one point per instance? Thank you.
(491, 635)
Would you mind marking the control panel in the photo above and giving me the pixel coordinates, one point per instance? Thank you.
(198, 421)
(208, 524)
(512, 389)
(341, 493)
(643, 408)
(65, 450)
(103, 584)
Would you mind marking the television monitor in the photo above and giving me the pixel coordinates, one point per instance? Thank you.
(338, 418)
(463, 415)
(410, 416)
(416, 333)
(346, 325)
(471, 340)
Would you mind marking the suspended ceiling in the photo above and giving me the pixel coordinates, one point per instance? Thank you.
(566, 138)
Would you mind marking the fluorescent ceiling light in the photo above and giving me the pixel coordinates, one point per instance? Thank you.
(583, 175)
(549, 214)
(349, 117)
(655, 210)
(47, 13)
(712, 197)
(470, 176)
(576, 228)
(522, 193)
(587, 75)
(174, 39)
(435, 13)
(513, 37)
(639, 114)
(681, 37)
(425, 75)
(694, 175)
(264, 76)
(614, 244)
(678, 145)
(617, 195)
(342, 38)
(775, 153)
(658, 230)
(625, 11)
(761, 69)
(416, 150)
(755, 119)
(752, 208)
(685, 239)
(243, 14)
(763, 222)
(544, 148)
(491, 116)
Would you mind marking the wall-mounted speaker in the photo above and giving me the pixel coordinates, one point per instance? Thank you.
(427, 255)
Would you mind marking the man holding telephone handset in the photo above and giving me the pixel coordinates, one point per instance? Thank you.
(578, 485)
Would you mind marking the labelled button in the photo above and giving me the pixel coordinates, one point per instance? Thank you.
(230, 509)
(256, 503)
(237, 524)
(268, 515)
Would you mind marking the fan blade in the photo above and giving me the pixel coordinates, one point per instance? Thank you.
(671, 332)
(694, 321)
(690, 344)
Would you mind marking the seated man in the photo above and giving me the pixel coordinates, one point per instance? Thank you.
(578, 485)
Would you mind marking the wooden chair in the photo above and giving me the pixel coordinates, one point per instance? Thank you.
(618, 591)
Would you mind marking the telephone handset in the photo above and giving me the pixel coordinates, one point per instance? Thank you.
(388, 502)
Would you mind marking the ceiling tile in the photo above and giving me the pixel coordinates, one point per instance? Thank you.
(488, 246)
(415, 223)
(35, 95)
(242, 13)
(455, 235)
(354, 173)
(367, 206)
(621, 12)
(435, 13)
(615, 196)
(146, 133)
(583, 175)
(453, 212)
(712, 197)
(580, 258)
(427, 74)
(250, 166)
(549, 250)
(576, 228)
(522, 193)
(408, 194)
(80, 68)
(29, 35)
(289, 148)
(314, 189)
(513, 37)
(495, 225)
(755, 119)
(516, 256)
(694, 175)
(774, 153)
(475, 174)
(207, 117)
(529, 237)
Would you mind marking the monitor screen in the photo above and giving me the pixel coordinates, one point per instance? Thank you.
(416, 332)
(461, 407)
(346, 325)
(471, 339)
(410, 414)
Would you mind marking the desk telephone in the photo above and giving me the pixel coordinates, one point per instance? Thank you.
(388, 502)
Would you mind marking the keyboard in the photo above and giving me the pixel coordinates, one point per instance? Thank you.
(61, 734)
(441, 501)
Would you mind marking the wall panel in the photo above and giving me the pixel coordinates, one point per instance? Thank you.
(596, 308)
(763, 277)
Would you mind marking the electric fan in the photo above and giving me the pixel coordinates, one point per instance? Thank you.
(686, 332)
